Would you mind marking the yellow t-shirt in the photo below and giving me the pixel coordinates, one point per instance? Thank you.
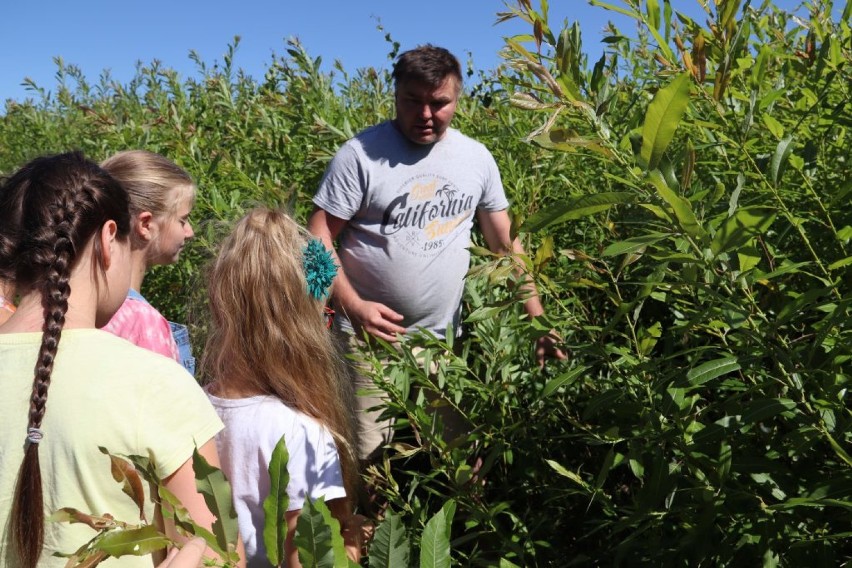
(104, 391)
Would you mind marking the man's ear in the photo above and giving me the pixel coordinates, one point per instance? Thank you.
(144, 226)
(108, 233)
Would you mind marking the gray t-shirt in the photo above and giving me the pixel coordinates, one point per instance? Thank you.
(410, 209)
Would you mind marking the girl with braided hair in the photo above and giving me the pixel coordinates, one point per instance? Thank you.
(64, 227)
(277, 373)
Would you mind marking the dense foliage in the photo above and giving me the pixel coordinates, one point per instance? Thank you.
(685, 201)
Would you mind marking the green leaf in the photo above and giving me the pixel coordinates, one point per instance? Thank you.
(134, 542)
(561, 470)
(390, 547)
(711, 370)
(565, 140)
(318, 537)
(633, 244)
(762, 409)
(213, 485)
(840, 263)
(662, 118)
(773, 125)
(435, 544)
(575, 208)
(563, 379)
(743, 226)
(681, 207)
(276, 503)
(780, 158)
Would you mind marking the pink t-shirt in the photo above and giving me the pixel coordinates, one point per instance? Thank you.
(140, 323)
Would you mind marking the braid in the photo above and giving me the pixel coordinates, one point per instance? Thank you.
(63, 201)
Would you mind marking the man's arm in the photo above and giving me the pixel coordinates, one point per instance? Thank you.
(373, 317)
(496, 228)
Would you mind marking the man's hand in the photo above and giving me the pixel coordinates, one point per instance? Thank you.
(376, 319)
(546, 347)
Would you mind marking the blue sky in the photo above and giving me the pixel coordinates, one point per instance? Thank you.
(108, 34)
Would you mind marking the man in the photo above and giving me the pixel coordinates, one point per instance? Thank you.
(402, 197)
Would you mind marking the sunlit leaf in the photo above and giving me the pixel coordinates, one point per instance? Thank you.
(662, 119)
(681, 207)
(711, 370)
(743, 226)
(575, 208)
(435, 543)
(213, 485)
(276, 503)
(634, 244)
(133, 542)
(780, 159)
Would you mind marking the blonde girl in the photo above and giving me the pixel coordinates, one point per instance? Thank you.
(276, 372)
(161, 199)
(64, 242)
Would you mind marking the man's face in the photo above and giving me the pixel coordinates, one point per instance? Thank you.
(423, 113)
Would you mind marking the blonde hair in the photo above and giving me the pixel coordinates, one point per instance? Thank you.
(153, 182)
(269, 334)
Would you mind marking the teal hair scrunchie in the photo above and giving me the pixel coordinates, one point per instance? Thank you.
(319, 267)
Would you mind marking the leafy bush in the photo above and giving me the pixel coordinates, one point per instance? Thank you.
(686, 198)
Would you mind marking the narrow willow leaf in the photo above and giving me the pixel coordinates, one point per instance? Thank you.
(733, 203)
(840, 263)
(134, 542)
(614, 8)
(738, 230)
(528, 102)
(390, 547)
(762, 409)
(276, 503)
(681, 207)
(561, 470)
(712, 369)
(634, 244)
(562, 380)
(575, 208)
(780, 159)
(435, 543)
(662, 118)
(568, 141)
(213, 485)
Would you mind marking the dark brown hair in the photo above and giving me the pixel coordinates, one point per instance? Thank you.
(426, 64)
(49, 210)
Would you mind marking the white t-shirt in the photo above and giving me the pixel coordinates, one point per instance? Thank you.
(253, 427)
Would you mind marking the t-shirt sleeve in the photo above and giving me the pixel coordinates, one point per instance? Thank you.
(493, 193)
(142, 325)
(178, 417)
(314, 468)
(341, 190)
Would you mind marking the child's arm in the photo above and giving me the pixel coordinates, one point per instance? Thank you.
(350, 527)
(291, 553)
(182, 484)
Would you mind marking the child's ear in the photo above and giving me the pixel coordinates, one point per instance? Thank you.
(107, 236)
(144, 226)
